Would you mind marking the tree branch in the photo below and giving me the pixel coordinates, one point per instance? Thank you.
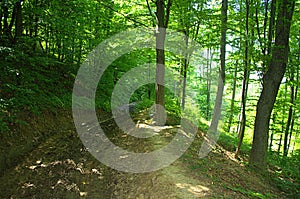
(168, 13)
(122, 14)
(151, 14)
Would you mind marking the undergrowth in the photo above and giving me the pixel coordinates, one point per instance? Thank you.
(32, 82)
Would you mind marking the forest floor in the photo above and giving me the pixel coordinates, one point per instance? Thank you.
(60, 167)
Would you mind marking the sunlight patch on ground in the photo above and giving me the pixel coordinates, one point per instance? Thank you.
(155, 128)
(230, 155)
(69, 164)
(197, 190)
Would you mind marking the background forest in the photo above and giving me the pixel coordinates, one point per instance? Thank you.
(244, 43)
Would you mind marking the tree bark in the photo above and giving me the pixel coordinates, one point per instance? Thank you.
(218, 102)
(242, 125)
(290, 116)
(162, 23)
(271, 27)
(213, 134)
(232, 97)
(279, 144)
(19, 25)
(266, 49)
(208, 81)
(271, 83)
(5, 19)
(295, 99)
(185, 66)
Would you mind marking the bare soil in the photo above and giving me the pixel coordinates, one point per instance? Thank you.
(61, 167)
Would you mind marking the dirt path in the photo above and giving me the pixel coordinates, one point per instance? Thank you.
(61, 167)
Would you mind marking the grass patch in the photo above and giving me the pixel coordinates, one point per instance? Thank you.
(250, 193)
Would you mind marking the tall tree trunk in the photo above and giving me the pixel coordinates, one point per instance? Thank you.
(232, 97)
(149, 86)
(271, 83)
(294, 101)
(213, 133)
(279, 144)
(295, 98)
(242, 125)
(290, 115)
(271, 27)
(1, 17)
(273, 132)
(12, 20)
(185, 66)
(271, 141)
(162, 23)
(266, 49)
(208, 82)
(218, 103)
(36, 25)
(5, 19)
(19, 25)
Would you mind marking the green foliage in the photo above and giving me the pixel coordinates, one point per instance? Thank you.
(37, 69)
(230, 142)
(286, 171)
(250, 193)
(3, 122)
(173, 106)
(32, 82)
(144, 104)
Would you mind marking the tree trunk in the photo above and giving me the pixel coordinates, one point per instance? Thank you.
(218, 103)
(19, 25)
(185, 66)
(271, 141)
(273, 131)
(1, 17)
(242, 126)
(5, 19)
(266, 49)
(213, 133)
(271, 83)
(279, 144)
(149, 86)
(245, 85)
(232, 97)
(295, 140)
(271, 27)
(162, 23)
(290, 115)
(12, 20)
(295, 98)
(208, 82)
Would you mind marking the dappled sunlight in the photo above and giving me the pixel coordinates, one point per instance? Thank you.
(230, 155)
(66, 185)
(67, 164)
(154, 127)
(72, 177)
(28, 185)
(197, 190)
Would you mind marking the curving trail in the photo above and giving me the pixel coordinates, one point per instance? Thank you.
(61, 167)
